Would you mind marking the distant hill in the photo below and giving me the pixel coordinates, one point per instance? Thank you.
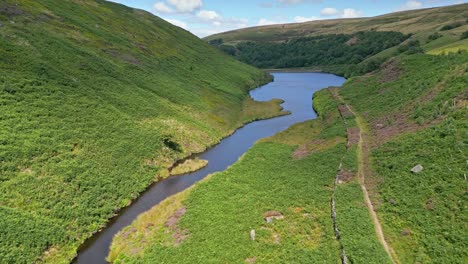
(414, 21)
(348, 47)
(96, 101)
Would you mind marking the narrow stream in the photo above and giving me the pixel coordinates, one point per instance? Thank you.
(296, 89)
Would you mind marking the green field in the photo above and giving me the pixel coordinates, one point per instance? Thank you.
(97, 100)
(220, 212)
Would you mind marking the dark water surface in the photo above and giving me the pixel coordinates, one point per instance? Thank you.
(296, 89)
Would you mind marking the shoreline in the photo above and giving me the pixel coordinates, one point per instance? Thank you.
(116, 214)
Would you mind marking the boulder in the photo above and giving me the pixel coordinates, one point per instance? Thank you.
(252, 234)
(417, 169)
(272, 215)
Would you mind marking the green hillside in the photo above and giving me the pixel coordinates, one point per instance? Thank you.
(415, 117)
(96, 101)
(424, 21)
(348, 47)
(404, 105)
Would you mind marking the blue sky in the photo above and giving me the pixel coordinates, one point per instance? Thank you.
(206, 17)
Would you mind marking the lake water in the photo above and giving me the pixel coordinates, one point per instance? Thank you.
(296, 89)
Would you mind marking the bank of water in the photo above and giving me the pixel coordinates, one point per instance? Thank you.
(296, 89)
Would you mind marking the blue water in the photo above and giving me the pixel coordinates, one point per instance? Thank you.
(296, 89)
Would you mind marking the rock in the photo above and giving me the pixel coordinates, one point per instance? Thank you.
(270, 215)
(251, 260)
(417, 169)
(252, 234)
(392, 201)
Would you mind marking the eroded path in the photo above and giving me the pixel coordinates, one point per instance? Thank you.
(361, 135)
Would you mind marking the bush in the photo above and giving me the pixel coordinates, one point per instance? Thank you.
(434, 36)
(412, 47)
(464, 35)
(451, 26)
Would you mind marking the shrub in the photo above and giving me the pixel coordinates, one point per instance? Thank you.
(434, 36)
(464, 35)
(451, 26)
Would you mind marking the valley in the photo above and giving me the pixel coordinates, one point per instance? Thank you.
(126, 139)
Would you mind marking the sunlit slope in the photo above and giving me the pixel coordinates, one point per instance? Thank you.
(96, 100)
(414, 21)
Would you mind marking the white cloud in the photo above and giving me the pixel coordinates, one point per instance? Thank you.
(301, 19)
(161, 7)
(208, 15)
(351, 13)
(186, 6)
(329, 11)
(265, 22)
(220, 25)
(176, 22)
(293, 2)
(345, 13)
(410, 5)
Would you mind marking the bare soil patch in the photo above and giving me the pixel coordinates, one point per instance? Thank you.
(345, 176)
(179, 234)
(353, 136)
(344, 111)
(387, 127)
(391, 71)
(315, 146)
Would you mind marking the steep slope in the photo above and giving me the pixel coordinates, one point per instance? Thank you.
(408, 109)
(418, 117)
(96, 101)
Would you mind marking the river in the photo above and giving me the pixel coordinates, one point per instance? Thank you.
(296, 89)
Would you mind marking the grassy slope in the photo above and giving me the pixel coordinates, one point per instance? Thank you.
(447, 24)
(425, 21)
(419, 118)
(221, 211)
(96, 101)
(415, 108)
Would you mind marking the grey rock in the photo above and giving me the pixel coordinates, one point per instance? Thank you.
(417, 169)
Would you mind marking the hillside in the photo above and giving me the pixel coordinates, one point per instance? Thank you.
(415, 117)
(423, 21)
(97, 100)
(387, 157)
(348, 47)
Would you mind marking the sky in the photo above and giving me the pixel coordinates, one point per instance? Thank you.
(207, 17)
